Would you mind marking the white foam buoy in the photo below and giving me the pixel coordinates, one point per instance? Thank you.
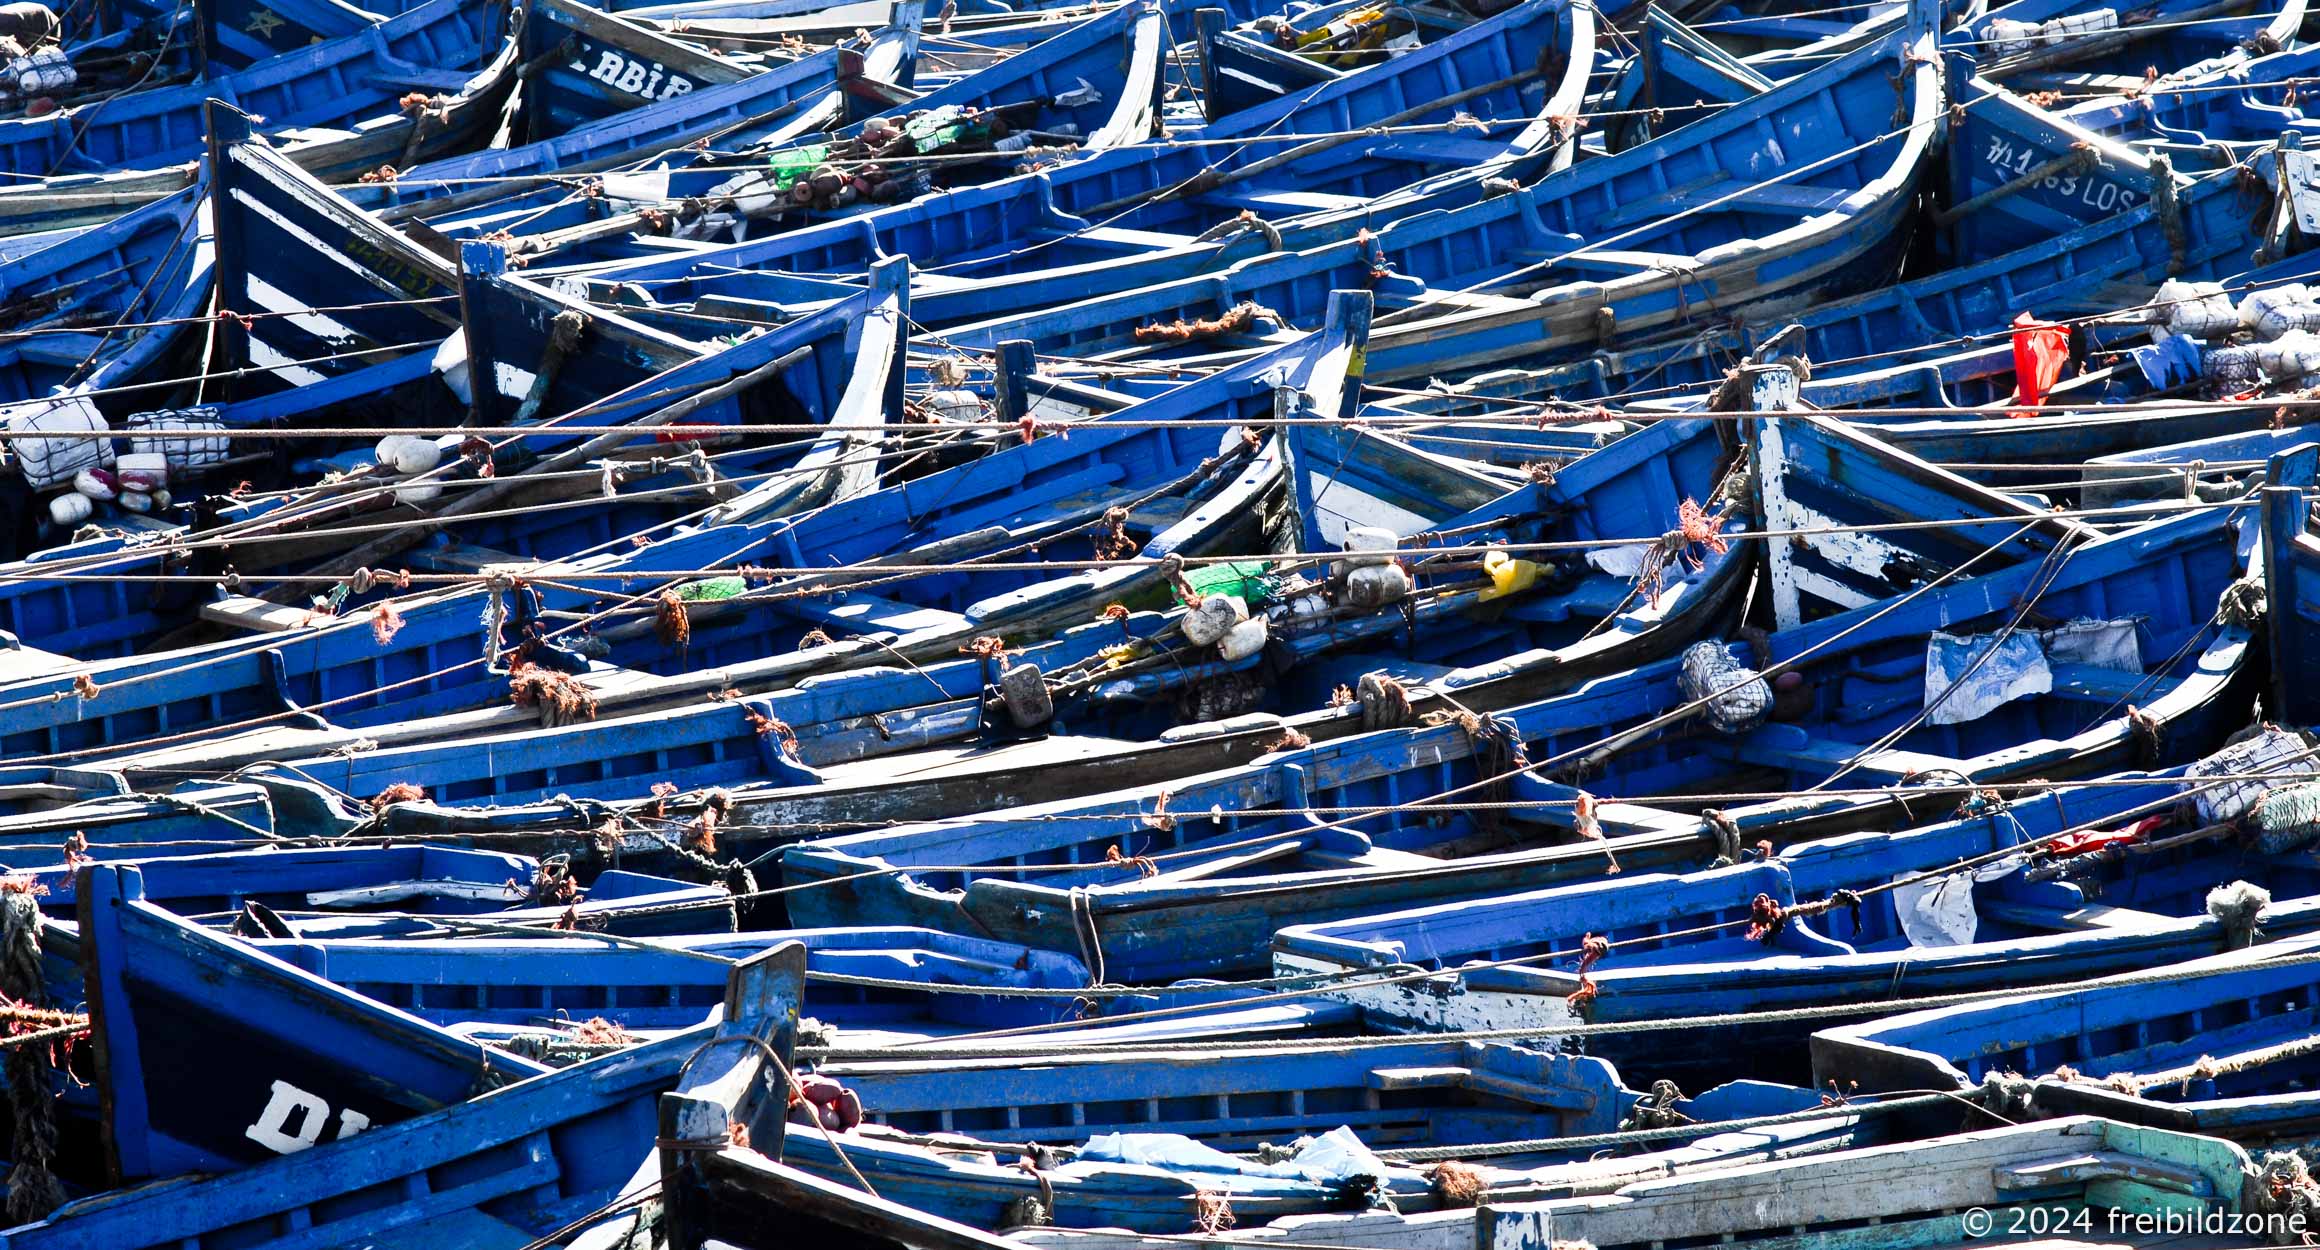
(1244, 640)
(1376, 585)
(416, 455)
(97, 484)
(70, 509)
(142, 470)
(1207, 624)
(1369, 545)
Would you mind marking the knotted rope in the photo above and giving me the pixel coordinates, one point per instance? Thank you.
(33, 1190)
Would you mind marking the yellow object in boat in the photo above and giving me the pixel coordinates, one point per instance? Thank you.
(1507, 575)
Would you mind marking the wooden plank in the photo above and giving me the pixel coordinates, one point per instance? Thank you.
(2087, 919)
(2094, 1165)
(1392, 1079)
(256, 615)
(812, 1209)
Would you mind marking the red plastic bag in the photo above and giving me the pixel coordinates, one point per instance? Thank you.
(2041, 349)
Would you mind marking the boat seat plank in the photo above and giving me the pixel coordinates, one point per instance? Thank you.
(255, 615)
(1456, 150)
(2086, 919)
(420, 78)
(662, 243)
(1595, 597)
(472, 558)
(1183, 870)
(37, 792)
(60, 349)
(613, 679)
(1117, 239)
(1274, 204)
(20, 662)
(1475, 301)
(1618, 819)
(2100, 685)
(1388, 1080)
(1798, 199)
(1227, 865)
(968, 760)
(404, 891)
(861, 612)
(1785, 748)
(313, 134)
(1783, 28)
(1498, 1084)
(2098, 1165)
(1388, 857)
(1154, 515)
(1531, 1093)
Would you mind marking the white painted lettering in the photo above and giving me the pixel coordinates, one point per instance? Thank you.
(288, 1101)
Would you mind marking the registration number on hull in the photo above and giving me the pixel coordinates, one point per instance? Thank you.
(2103, 195)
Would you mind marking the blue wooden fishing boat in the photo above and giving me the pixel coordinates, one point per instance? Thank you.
(209, 1056)
(2193, 233)
(550, 994)
(1043, 875)
(772, 107)
(1075, 87)
(994, 503)
(1103, 696)
(1094, 323)
(335, 103)
(158, 257)
(151, 267)
(1147, 186)
(2018, 171)
(832, 369)
(1582, 256)
(257, 888)
(148, 269)
(2053, 888)
(593, 64)
(2291, 591)
(1298, 158)
(2108, 401)
(494, 1172)
(2107, 1174)
(1912, 344)
(1130, 1138)
(2229, 108)
(829, 369)
(235, 34)
(261, 199)
(113, 821)
(2025, 43)
(859, 979)
(2223, 1049)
